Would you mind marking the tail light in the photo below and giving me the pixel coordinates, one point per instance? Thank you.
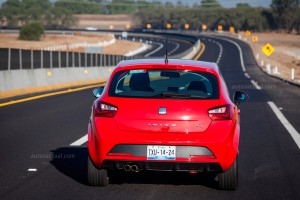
(221, 112)
(105, 110)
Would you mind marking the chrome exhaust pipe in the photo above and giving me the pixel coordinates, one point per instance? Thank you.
(127, 168)
(135, 168)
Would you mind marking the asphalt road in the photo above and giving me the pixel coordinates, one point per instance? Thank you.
(175, 45)
(37, 135)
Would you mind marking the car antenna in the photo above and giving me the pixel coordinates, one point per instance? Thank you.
(166, 56)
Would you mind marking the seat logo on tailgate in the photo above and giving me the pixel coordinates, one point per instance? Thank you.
(162, 125)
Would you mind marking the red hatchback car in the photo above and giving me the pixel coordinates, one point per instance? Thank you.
(166, 116)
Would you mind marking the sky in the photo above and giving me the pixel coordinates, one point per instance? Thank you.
(224, 3)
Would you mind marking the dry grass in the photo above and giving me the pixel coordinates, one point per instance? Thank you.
(285, 57)
(118, 48)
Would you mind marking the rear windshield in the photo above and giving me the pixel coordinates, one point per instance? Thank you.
(142, 83)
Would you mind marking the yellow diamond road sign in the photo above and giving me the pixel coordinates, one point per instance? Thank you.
(268, 49)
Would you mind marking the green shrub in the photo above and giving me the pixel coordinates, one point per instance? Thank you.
(33, 31)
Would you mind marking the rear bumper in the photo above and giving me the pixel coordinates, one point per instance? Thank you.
(109, 148)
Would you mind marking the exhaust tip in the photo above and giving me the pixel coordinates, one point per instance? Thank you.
(127, 168)
(135, 168)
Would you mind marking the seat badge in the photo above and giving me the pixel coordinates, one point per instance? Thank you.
(162, 111)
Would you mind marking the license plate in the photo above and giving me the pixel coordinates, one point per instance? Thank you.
(161, 152)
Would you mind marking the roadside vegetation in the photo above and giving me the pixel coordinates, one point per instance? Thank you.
(281, 16)
(32, 31)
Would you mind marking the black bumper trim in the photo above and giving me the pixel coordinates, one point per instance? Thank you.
(181, 151)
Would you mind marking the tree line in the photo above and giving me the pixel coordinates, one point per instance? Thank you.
(282, 15)
(21, 12)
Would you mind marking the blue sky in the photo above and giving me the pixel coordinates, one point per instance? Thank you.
(224, 3)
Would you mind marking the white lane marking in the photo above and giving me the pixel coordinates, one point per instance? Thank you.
(289, 127)
(240, 50)
(177, 46)
(80, 141)
(247, 75)
(242, 62)
(256, 85)
(161, 45)
(32, 170)
(220, 52)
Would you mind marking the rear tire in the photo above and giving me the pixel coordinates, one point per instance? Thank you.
(229, 180)
(96, 177)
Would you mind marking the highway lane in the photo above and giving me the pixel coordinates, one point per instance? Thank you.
(175, 45)
(268, 161)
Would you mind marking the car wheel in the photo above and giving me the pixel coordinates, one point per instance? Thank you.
(229, 180)
(96, 177)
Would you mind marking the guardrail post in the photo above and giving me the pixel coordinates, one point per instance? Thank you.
(79, 59)
(31, 58)
(104, 60)
(73, 59)
(59, 59)
(96, 59)
(67, 59)
(268, 67)
(9, 59)
(276, 70)
(20, 58)
(51, 63)
(42, 59)
(293, 74)
(85, 59)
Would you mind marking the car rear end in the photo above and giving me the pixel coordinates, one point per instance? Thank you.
(174, 116)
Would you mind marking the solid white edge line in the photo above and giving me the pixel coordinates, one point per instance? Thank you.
(240, 50)
(161, 45)
(289, 127)
(247, 75)
(80, 141)
(255, 85)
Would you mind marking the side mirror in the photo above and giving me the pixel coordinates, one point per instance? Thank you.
(98, 91)
(239, 97)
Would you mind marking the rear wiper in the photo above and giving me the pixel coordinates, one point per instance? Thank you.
(175, 95)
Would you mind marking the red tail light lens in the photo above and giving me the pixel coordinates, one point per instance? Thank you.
(105, 110)
(221, 112)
